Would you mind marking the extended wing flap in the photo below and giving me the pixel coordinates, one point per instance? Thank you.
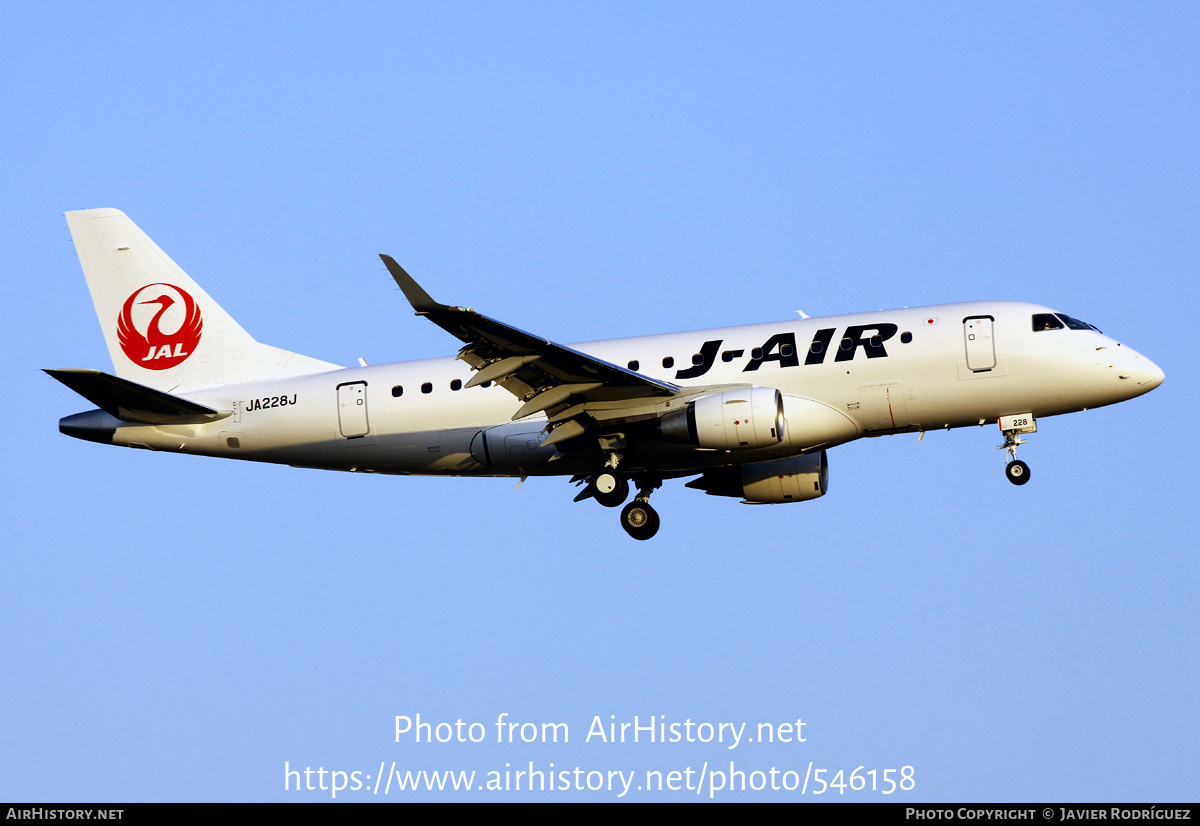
(133, 402)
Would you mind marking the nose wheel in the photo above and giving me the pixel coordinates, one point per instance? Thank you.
(1017, 472)
(1012, 427)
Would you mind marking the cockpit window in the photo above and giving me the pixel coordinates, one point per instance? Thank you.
(1046, 321)
(1076, 324)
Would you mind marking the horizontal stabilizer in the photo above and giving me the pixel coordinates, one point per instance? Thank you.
(133, 402)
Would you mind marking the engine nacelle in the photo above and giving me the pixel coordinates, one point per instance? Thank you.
(777, 482)
(733, 420)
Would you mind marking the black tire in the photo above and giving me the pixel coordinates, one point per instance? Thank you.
(640, 520)
(1017, 472)
(618, 492)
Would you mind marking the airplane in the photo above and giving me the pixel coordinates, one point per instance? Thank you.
(749, 411)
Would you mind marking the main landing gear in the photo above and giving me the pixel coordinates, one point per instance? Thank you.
(1012, 427)
(639, 519)
(610, 488)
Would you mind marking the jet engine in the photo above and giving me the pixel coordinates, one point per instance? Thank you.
(775, 483)
(733, 420)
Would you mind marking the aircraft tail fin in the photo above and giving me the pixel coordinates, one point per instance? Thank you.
(163, 331)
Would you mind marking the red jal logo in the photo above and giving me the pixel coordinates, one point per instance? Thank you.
(155, 349)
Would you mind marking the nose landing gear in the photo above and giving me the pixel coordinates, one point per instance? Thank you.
(1012, 427)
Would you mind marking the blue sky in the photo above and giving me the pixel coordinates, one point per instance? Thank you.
(176, 628)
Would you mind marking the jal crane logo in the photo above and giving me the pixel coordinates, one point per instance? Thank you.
(148, 344)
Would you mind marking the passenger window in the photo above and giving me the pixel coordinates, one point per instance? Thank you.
(816, 347)
(634, 365)
(669, 362)
(397, 391)
(456, 385)
(697, 359)
(756, 354)
(1046, 321)
(727, 356)
(485, 384)
(905, 337)
(785, 350)
(847, 343)
(426, 388)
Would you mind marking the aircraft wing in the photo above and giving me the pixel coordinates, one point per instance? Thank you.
(574, 389)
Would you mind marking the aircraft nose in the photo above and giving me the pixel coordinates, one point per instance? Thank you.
(1139, 372)
(1153, 375)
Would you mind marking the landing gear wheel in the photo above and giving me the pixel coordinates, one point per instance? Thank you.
(1017, 472)
(639, 519)
(609, 489)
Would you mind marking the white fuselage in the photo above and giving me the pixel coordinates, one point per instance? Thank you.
(927, 368)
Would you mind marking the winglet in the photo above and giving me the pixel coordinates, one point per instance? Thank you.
(417, 297)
